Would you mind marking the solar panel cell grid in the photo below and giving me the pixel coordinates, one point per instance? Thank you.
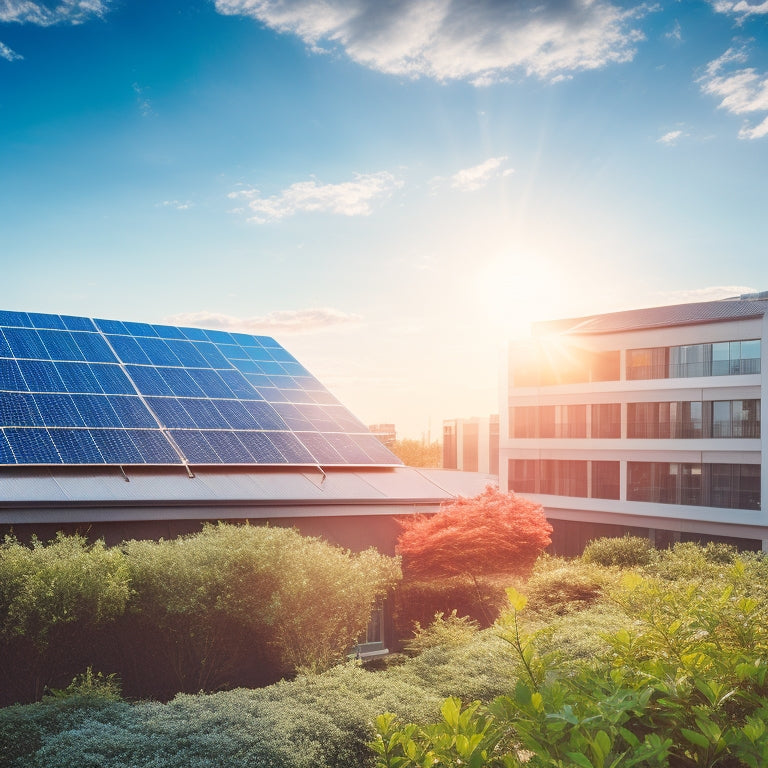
(78, 391)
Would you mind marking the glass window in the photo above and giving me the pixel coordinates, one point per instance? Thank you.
(720, 358)
(721, 418)
(605, 479)
(522, 475)
(606, 420)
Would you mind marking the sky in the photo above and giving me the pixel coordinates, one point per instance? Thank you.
(390, 188)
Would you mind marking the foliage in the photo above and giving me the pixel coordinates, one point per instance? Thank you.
(492, 532)
(418, 453)
(558, 587)
(625, 552)
(417, 601)
(687, 560)
(314, 721)
(686, 686)
(55, 600)
(89, 685)
(452, 631)
(230, 603)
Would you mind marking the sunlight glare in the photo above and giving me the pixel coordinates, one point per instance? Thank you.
(516, 290)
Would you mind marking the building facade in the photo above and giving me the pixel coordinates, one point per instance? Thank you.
(472, 445)
(646, 421)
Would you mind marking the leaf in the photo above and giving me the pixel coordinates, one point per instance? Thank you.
(699, 739)
(580, 759)
(517, 600)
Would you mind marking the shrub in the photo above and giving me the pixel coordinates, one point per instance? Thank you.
(56, 598)
(559, 586)
(450, 632)
(625, 552)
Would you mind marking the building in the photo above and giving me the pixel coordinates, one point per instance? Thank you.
(472, 445)
(645, 421)
(132, 429)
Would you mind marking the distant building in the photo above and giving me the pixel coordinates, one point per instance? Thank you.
(645, 421)
(386, 433)
(472, 445)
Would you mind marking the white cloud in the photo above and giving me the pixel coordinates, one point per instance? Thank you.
(676, 33)
(280, 321)
(9, 55)
(741, 8)
(47, 14)
(712, 293)
(483, 41)
(349, 198)
(476, 177)
(670, 137)
(179, 205)
(742, 90)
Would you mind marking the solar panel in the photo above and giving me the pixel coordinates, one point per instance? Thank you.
(81, 391)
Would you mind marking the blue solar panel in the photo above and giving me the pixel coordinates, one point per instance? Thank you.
(17, 319)
(96, 411)
(11, 379)
(40, 376)
(58, 410)
(6, 454)
(32, 446)
(72, 323)
(81, 391)
(116, 446)
(94, 348)
(132, 412)
(76, 446)
(78, 377)
(39, 320)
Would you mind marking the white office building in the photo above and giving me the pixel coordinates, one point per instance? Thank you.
(645, 421)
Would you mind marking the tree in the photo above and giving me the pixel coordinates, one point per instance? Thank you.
(492, 533)
(418, 453)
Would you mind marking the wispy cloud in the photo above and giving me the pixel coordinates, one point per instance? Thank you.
(676, 33)
(9, 55)
(742, 90)
(712, 293)
(476, 177)
(47, 14)
(483, 41)
(348, 198)
(740, 8)
(142, 101)
(280, 321)
(179, 205)
(670, 138)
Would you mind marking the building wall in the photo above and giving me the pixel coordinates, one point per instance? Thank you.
(625, 450)
(472, 445)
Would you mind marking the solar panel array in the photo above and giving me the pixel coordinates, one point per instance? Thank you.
(79, 391)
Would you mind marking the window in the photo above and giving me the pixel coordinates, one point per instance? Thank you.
(522, 475)
(524, 420)
(689, 360)
(605, 480)
(733, 486)
(606, 420)
(564, 478)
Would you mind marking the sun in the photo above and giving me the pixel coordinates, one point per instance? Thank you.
(518, 289)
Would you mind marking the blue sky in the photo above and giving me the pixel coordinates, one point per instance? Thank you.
(391, 189)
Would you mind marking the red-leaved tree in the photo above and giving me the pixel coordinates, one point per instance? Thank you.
(492, 533)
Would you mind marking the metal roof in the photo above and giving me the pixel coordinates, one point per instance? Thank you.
(25, 492)
(655, 317)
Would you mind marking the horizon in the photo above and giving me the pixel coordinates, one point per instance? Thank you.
(391, 192)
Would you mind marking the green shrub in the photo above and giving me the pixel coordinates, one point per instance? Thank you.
(56, 600)
(314, 721)
(417, 602)
(625, 552)
(559, 586)
(688, 560)
(451, 632)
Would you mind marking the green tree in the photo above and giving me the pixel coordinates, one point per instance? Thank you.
(418, 453)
